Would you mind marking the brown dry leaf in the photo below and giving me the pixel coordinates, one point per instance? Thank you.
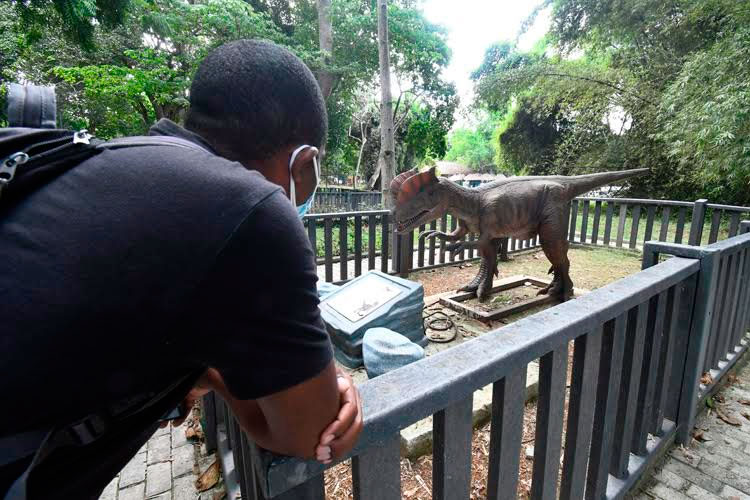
(209, 478)
(410, 493)
(732, 378)
(706, 379)
(745, 402)
(699, 436)
(746, 415)
(190, 433)
(727, 418)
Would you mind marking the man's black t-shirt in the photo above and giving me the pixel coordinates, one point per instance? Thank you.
(141, 265)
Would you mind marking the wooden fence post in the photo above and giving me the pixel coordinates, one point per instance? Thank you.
(696, 226)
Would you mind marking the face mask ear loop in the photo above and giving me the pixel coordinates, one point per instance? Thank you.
(292, 190)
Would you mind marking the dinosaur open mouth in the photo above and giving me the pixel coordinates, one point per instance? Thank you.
(402, 225)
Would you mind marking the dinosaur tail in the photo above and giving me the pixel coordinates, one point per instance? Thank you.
(580, 184)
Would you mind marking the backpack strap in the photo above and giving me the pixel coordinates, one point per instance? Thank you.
(151, 140)
(31, 106)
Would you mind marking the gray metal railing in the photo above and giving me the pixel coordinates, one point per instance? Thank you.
(640, 348)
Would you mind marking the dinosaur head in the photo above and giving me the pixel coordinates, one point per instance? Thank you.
(415, 199)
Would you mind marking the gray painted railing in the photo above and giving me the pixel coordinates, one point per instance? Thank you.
(640, 348)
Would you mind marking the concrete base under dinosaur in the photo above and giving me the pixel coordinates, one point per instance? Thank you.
(372, 300)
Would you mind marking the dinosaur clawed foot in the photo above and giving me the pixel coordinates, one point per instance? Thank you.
(471, 287)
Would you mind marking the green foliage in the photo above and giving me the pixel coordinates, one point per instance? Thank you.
(625, 84)
(474, 147)
(132, 64)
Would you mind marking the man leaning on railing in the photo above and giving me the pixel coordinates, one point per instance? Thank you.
(147, 276)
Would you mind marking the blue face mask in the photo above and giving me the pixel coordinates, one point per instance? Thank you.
(302, 209)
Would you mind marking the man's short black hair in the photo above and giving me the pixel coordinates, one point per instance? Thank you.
(251, 98)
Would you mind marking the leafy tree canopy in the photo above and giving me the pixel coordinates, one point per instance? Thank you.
(625, 84)
(133, 65)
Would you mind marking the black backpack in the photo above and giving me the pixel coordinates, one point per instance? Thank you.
(32, 153)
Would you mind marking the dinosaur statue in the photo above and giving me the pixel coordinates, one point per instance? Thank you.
(518, 207)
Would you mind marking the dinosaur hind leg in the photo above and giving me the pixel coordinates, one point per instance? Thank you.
(487, 268)
(488, 249)
(473, 285)
(556, 251)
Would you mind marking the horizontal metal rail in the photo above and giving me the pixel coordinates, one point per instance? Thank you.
(399, 398)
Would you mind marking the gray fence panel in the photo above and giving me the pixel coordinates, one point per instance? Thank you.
(549, 419)
(376, 473)
(581, 406)
(506, 431)
(451, 455)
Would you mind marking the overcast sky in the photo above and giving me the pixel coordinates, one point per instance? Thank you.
(475, 24)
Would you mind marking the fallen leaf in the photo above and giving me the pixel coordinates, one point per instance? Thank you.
(745, 402)
(727, 418)
(190, 433)
(706, 379)
(209, 478)
(732, 378)
(411, 492)
(710, 403)
(746, 415)
(699, 435)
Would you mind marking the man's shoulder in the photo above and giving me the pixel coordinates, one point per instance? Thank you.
(182, 171)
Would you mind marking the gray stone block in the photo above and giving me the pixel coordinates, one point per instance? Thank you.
(134, 472)
(158, 478)
(110, 492)
(694, 476)
(698, 493)
(178, 436)
(183, 459)
(661, 490)
(134, 492)
(729, 492)
(384, 350)
(671, 479)
(159, 449)
(184, 488)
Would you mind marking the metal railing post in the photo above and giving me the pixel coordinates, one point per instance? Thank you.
(745, 227)
(699, 326)
(696, 225)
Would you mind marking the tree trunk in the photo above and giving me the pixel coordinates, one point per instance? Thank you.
(325, 33)
(387, 159)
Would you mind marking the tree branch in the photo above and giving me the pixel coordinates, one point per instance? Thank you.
(601, 82)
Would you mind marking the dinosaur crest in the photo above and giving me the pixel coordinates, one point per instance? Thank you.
(407, 185)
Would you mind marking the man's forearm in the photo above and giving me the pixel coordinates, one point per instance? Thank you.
(297, 423)
(248, 414)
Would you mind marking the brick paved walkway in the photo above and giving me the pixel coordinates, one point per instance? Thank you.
(718, 467)
(165, 468)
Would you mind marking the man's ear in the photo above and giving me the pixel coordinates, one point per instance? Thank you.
(302, 163)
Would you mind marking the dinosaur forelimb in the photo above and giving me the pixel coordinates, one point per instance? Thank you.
(460, 246)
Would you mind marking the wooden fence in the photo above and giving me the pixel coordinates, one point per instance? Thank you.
(346, 201)
(350, 243)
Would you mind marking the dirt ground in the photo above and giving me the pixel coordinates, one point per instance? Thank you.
(590, 269)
